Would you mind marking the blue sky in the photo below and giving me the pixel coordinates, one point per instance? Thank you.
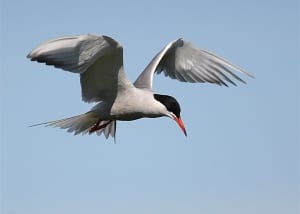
(242, 150)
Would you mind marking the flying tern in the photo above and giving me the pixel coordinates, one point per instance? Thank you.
(98, 59)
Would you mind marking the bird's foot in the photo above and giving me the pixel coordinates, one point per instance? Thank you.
(96, 127)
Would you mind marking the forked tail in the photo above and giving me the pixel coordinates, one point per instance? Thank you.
(85, 123)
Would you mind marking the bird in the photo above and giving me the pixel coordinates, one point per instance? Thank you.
(98, 59)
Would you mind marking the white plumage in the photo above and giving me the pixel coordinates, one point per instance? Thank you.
(99, 62)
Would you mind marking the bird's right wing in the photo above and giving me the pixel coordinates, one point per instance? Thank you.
(98, 60)
(183, 61)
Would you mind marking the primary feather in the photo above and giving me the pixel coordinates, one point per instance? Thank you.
(98, 60)
(183, 61)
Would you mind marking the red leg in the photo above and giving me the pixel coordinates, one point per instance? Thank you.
(96, 127)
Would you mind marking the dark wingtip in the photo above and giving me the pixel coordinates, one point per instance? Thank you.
(31, 57)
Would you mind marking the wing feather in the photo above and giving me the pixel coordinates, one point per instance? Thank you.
(98, 60)
(183, 61)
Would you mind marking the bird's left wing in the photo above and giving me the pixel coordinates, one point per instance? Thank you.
(98, 60)
(183, 61)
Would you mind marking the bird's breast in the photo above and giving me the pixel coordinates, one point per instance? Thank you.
(136, 104)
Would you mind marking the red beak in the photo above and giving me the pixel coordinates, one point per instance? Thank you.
(180, 124)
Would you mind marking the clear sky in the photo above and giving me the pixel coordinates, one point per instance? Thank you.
(242, 150)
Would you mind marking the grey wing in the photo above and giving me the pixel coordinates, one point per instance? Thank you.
(98, 60)
(183, 61)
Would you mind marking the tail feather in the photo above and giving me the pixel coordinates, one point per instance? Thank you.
(110, 129)
(81, 124)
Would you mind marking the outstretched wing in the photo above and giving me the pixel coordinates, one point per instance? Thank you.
(183, 61)
(98, 60)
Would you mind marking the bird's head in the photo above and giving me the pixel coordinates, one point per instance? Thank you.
(173, 109)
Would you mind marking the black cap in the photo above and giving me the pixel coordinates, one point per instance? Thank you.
(170, 102)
